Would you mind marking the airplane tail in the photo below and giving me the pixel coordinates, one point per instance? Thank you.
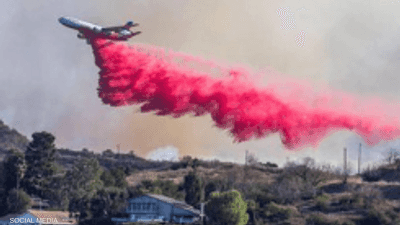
(130, 24)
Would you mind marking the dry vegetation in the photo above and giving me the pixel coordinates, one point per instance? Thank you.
(299, 193)
(232, 172)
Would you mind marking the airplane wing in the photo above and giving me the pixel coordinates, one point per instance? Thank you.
(115, 29)
(119, 28)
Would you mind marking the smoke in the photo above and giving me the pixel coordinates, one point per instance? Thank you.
(168, 85)
(168, 153)
(49, 77)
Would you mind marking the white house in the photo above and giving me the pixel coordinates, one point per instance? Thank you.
(152, 208)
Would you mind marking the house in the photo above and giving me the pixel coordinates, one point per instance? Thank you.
(38, 217)
(158, 208)
(56, 217)
(38, 203)
(19, 219)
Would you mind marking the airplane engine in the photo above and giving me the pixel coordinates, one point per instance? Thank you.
(81, 36)
(97, 29)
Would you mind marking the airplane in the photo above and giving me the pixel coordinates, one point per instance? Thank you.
(89, 30)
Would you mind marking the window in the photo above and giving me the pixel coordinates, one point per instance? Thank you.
(134, 206)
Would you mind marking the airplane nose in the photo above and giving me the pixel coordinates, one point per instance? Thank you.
(61, 20)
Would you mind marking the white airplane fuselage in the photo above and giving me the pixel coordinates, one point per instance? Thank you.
(88, 29)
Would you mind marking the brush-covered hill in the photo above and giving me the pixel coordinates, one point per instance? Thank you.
(11, 139)
(299, 193)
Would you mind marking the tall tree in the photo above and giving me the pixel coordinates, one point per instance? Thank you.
(107, 178)
(41, 162)
(14, 168)
(119, 176)
(83, 182)
(17, 201)
(227, 209)
(209, 188)
(192, 186)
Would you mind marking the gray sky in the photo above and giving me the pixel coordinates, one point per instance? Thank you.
(49, 77)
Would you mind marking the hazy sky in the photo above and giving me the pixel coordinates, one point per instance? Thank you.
(49, 78)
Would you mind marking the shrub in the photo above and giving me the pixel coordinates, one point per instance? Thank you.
(376, 217)
(316, 219)
(322, 202)
(365, 196)
(274, 212)
(227, 208)
(346, 202)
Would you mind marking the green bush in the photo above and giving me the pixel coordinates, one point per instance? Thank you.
(377, 217)
(274, 212)
(322, 202)
(320, 220)
(227, 208)
(347, 202)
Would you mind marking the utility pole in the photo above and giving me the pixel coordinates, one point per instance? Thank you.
(359, 160)
(119, 156)
(345, 164)
(245, 167)
(245, 158)
(202, 213)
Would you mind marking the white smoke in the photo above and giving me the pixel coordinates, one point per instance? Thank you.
(167, 153)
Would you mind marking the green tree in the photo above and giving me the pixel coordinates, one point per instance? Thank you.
(108, 153)
(14, 168)
(119, 176)
(192, 187)
(107, 178)
(227, 209)
(57, 190)
(168, 188)
(251, 211)
(40, 161)
(83, 182)
(108, 201)
(210, 187)
(17, 201)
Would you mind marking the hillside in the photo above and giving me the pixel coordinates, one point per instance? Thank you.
(67, 158)
(287, 196)
(10, 138)
(299, 193)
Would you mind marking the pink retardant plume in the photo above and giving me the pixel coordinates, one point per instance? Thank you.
(131, 75)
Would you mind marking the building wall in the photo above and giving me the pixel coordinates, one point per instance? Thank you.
(145, 206)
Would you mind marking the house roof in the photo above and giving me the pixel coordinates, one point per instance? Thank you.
(175, 203)
(38, 202)
(60, 216)
(165, 199)
(13, 215)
